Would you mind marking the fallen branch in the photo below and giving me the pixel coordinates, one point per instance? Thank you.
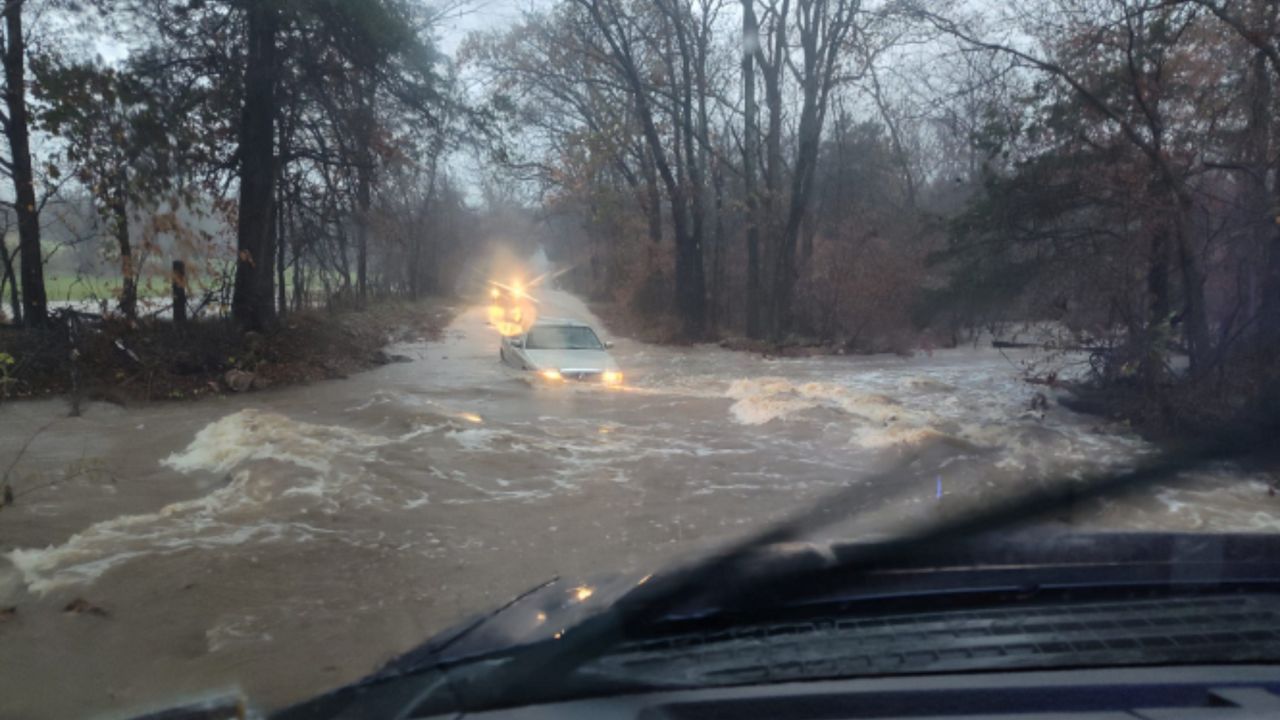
(4, 479)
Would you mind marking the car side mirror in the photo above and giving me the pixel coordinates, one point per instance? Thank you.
(608, 344)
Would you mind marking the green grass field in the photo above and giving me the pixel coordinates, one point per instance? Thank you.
(70, 287)
(60, 287)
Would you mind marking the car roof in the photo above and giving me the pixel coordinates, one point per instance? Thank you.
(559, 322)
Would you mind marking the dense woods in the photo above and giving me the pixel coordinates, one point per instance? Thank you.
(279, 150)
(892, 175)
(869, 174)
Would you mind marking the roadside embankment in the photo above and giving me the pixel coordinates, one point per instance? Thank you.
(128, 362)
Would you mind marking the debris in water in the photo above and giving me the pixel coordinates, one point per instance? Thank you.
(239, 380)
(80, 606)
(1049, 380)
(8, 613)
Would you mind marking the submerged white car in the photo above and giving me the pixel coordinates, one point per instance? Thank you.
(559, 349)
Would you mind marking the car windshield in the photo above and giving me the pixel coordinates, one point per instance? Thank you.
(562, 337)
(303, 307)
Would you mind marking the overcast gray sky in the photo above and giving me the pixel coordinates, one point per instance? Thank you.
(480, 15)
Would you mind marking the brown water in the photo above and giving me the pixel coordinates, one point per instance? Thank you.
(290, 541)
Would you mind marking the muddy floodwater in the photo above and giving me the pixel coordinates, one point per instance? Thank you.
(289, 541)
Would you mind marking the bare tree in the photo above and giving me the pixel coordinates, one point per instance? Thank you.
(17, 130)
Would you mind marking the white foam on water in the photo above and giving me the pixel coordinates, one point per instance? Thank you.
(415, 503)
(191, 524)
(252, 507)
(475, 439)
(876, 420)
(965, 396)
(256, 435)
(762, 400)
(873, 437)
(1238, 505)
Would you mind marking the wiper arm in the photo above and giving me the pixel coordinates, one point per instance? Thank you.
(536, 672)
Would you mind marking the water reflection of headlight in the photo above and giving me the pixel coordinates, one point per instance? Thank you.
(612, 377)
(551, 375)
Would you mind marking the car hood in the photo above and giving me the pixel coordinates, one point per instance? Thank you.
(1010, 561)
(1010, 566)
(588, 360)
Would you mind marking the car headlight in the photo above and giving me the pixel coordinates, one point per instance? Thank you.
(551, 375)
(612, 377)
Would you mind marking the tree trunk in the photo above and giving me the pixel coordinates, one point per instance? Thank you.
(690, 279)
(364, 182)
(1195, 314)
(1270, 310)
(362, 237)
(179, 284)
(415, 254)
(691, 295)
(1265, 72)
(1154, 336)
(34, 301)
(415, 262)
(1257, 157)
(716, 293)
(771, 205)
(362, 233)
(299, 291)
(11, 281)
(694, 285)
(821, 35)
(253, 301)
(282, 297)
(653, 195)
(1268, 220)
(295, 248)
(128, 267)
(750, 153)
(416, 272)
(279, 215)
(690, 292)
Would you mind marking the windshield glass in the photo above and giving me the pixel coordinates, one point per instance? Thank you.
(304, 308)
(562, 337)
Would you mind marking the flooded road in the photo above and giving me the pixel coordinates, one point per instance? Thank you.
(289, 541)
